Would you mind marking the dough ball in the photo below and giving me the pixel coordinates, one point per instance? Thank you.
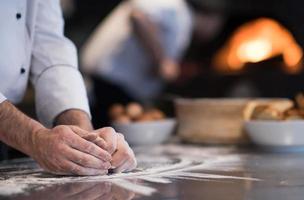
(267, 110)
(116, 111)
(294, 114)
(281, 106)
(266, 113)
(156, 114)
(134, 110)
(123, 119)
(146, 117)
(293, 117)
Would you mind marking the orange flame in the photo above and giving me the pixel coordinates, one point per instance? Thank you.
(256, 41)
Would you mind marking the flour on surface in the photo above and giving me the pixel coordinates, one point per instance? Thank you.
(161, 165)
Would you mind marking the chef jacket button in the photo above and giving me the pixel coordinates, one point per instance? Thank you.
(18, 15)
(22, 70)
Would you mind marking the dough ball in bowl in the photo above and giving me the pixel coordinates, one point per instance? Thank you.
(134, 110)
(116, 111)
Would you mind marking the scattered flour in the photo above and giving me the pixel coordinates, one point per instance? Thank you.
(162, 165)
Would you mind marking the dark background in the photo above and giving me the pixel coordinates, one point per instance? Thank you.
(266, 79)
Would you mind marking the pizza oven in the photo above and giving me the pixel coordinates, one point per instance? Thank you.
(258, 51)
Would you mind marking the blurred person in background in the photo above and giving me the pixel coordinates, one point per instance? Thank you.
(33, 47)
(67, 7)
(136, 50)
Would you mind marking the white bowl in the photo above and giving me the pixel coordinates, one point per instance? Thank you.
(276, 134)
(146, 133)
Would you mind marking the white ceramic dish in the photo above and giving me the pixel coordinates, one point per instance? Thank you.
(146, 133)
(277, 135)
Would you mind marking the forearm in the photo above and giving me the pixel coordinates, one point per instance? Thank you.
(75, 117)
(148, 33)
(17, 129)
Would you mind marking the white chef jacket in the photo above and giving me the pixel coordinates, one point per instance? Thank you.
(32, 46)
(115, 53)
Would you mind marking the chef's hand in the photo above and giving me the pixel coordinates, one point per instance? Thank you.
(63, 150)
(123, 158)
(169, 70)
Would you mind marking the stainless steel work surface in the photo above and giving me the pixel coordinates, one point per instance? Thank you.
(169, 172)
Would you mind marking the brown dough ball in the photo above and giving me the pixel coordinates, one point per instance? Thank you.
(294, 114)
(156, 114)
(281, 106)
(266, 113)
(134, 110)
(273, 110)
(123, 119)
(146, 117)
(293, 117)
(116, 111)
(257, 111)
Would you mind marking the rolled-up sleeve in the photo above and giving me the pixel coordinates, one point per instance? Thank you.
(2, 97)
(58, 84)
